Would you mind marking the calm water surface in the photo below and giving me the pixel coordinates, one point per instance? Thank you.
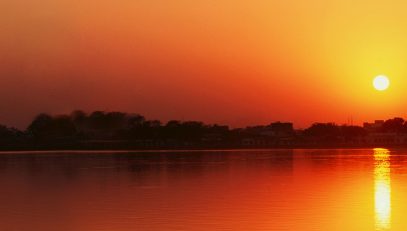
(213, 190)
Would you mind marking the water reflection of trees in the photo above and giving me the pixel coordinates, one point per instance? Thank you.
(65, 166)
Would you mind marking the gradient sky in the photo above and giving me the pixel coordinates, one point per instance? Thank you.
(220, 61)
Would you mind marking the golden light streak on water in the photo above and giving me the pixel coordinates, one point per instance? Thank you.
(382, 189)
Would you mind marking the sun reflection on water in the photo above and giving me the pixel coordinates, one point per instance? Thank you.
(382, 189)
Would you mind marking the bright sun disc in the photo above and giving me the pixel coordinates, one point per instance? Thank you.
(381, 83)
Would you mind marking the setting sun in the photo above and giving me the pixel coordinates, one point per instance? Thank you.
(381, 83)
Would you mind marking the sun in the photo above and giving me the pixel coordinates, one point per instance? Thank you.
(381, 82)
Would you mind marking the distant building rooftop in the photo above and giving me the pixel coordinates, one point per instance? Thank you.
(373, 127)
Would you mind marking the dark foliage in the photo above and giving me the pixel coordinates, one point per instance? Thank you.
(134, 130)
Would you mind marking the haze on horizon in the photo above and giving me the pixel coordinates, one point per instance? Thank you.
(230, 62)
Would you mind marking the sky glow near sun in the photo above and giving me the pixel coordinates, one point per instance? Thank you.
(230, 62)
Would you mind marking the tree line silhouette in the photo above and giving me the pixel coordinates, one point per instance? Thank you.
(103, 130)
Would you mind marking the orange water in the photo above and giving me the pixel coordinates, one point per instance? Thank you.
(210, 190)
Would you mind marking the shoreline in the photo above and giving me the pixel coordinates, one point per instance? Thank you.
(192, 149)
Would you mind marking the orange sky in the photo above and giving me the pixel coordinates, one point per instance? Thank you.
(223, 61)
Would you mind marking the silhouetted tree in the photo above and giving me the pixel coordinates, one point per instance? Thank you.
(135, 121)
(393, 125)
(350, 132)
(192, 130)
(79, 118)
(41, 125)
(45, 126)
(323, 131)
(115, 121)
(7, 135)
(62, 126)
(97, 120)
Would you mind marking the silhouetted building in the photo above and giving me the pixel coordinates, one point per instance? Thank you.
(275, 134)
(279, 129)
(373, 127)
(384, 138)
